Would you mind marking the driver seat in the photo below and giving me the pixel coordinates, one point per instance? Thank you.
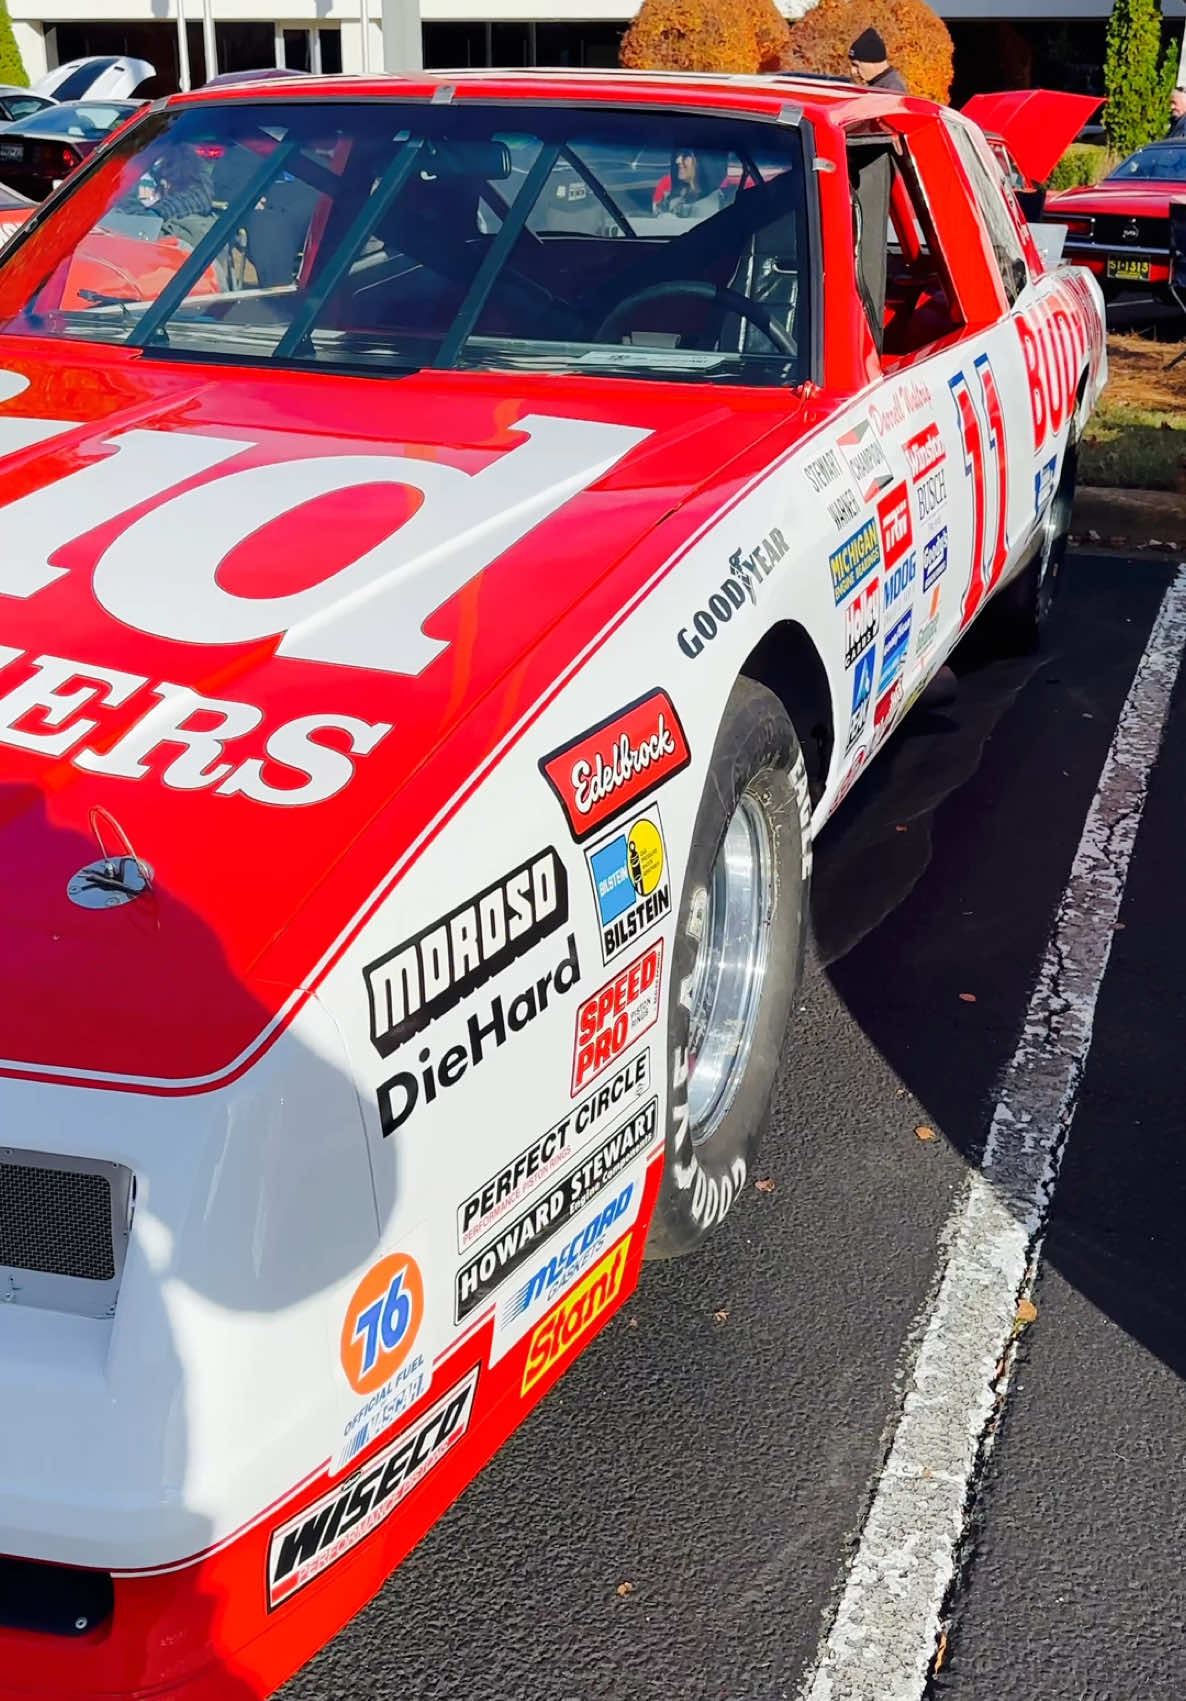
(768, 273)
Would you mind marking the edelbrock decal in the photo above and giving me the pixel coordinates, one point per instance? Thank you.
(607, 770)
(310, 1543)
(513, 1245)
(431, 972)
(631, 882)
(486, 1032)
(616, 1015)
(545, 1156)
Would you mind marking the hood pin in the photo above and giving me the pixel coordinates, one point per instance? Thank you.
(116, 878)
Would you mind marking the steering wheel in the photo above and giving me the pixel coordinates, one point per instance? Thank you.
(617, 317)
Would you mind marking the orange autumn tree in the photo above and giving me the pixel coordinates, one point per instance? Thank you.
(705, 35)
(916, 39)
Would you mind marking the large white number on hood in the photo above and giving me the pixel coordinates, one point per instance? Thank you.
(370, 613)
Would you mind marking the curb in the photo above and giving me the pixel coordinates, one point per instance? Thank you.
(1152, 520)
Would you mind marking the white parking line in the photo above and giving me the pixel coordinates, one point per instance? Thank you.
(884, 1634)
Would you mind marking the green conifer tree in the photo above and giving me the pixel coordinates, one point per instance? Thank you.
(1134, 75)
(11, 69)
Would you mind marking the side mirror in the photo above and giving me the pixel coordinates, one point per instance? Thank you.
(1032, 203)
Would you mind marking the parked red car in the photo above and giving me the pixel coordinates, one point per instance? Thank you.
(1120, 228)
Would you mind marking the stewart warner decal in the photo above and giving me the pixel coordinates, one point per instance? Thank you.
(608, 769)
(438, 967)
(311, 1542)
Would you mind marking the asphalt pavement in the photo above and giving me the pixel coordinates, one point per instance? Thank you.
(718, 1446)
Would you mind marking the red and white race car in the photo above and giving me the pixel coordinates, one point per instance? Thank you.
(425, 658)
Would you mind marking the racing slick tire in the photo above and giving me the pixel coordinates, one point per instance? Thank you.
(1022, 610)
(737, 960)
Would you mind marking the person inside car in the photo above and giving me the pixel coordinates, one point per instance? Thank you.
(697, 184)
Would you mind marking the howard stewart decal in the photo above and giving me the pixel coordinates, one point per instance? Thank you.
(310, 1543)
(934, 558)
(513, 1245)
(608, 769)
(576, 1314)
(631, 882)
(862, 691)
(747, 573)
(434, 970)
(616, 1015)
(893, 516)
(854, 561)
(486, 1032)
(862, 621)
(548, 1154)
(868, 466)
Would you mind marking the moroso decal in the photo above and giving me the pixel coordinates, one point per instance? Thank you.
(893, 516)
(631, 882)
(486, 1032)
(547, 1154)
(576, 1314)
(866, 462)
(616, 1015)
(382, 1321)
(434, 970)
(854, 560)
(513, 1245)
(862, 691)
(162, 740)
(608, 769)
(310, 1543)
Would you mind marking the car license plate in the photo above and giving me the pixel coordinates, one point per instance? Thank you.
(11, 150)
(1128, 271)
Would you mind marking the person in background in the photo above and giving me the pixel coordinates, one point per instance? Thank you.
(697, 184)
(1177, 127)
(870, 63)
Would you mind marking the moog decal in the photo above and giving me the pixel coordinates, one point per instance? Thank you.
(431, 972)
(608, 769)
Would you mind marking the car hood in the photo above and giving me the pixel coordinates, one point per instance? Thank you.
(1038, 125)
(1148, 200)
(503, 557)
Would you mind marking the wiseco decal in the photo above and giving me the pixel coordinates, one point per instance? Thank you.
(371, 613)
(434, 970)
(309, 1543)
(605, 771)
(616, 1015)
(576, 1314)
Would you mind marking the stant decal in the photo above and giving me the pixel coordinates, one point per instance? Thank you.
(854, 560)
(576, 1314)
(610, 768)
(862, 621)
(631, 882)
(866, 461)
(616, 1015)
(513, 1245)
(893, 516)
(382, 1321)
(310, 1543)
(433, 971)
(547, 1154)
(486, 1032)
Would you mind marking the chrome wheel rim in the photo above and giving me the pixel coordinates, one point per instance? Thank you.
(730, 969)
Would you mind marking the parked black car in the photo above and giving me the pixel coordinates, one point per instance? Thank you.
(37, 152)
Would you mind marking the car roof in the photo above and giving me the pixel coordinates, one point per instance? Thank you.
(821, 99)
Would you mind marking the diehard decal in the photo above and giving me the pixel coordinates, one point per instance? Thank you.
(631, 882)
(433, 971)
(575, 1315)
(537, 1163)
(610, 768)
(518, 1241)
(310, 1543)
(616, 1015)
(854, 560)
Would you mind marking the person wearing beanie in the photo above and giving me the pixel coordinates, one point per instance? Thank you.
(870, 63)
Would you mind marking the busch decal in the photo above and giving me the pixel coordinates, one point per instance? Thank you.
(608, 769)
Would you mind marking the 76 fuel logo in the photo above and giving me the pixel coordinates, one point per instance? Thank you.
(382, 1322)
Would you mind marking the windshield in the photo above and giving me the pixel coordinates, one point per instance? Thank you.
(393, 236)
(1157, 164)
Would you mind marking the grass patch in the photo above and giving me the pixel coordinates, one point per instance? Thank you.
(1136, 439)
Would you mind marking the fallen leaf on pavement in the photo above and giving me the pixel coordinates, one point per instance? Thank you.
(1027, 1313)
(941, 1652)
(766, 1185)
(721, 1316)
(924, 1133)
(968, 997)
(625, 1588)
